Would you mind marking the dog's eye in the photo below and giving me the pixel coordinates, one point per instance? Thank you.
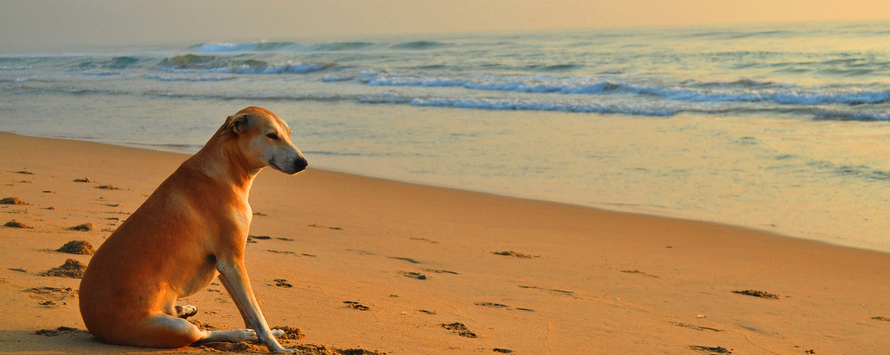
(273, 136)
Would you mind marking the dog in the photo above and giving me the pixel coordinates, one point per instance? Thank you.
(191, 229)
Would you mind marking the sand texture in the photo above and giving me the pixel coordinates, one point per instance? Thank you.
(356, 265)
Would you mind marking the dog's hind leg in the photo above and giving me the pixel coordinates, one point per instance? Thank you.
(165, 331)
(161, 330)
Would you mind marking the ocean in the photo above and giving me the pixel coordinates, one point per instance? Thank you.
(780, 127)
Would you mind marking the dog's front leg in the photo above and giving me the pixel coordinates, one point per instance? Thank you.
(234, 277)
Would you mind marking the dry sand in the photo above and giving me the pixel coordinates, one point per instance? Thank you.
(362, 263)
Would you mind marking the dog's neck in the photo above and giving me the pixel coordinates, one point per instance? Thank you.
(221, 160)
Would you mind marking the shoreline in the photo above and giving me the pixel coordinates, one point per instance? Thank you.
(612, 206)
(526, 275)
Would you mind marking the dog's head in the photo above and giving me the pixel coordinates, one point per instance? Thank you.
(264, 140)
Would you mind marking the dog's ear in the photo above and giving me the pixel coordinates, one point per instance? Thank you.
(236, 123)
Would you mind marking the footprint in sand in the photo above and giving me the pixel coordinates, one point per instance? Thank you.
(315, 225)
(281, 252)
(502, 306)
(760, 294)
(255, 238)
(86, 227)
(492, 305)
(459, 329)
(52, 296)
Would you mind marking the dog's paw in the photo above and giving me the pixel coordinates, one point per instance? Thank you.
(186, 311)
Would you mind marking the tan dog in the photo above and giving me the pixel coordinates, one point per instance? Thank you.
(191, 229)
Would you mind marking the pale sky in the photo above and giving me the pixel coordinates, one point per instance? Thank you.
(45, 24)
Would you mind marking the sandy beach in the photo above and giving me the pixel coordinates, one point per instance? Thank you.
(365, 265)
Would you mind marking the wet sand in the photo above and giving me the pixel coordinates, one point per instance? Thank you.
(375, 265)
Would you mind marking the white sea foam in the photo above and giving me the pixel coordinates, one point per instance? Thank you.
(188, 78)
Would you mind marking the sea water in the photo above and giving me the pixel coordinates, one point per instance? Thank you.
(782, 127)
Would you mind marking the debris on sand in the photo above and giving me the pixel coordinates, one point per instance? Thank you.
(638, 272)
(282, 283)
(883, 319)
(13, 201)
(440, 271)
(515, 254)
(696, 327)
(15, 224)
(84, 180)
(107, 187)
(46, 290)
(459, 329)
(356, 305)
(56, 332)
(79, 247)
(291, 333)
(711, 349)
(71, 268)
(203, 325)
(413, 275)
(311, 349)
(316, 225)
(756, 293)
(242, 347)
(405, 259)
(82, 227)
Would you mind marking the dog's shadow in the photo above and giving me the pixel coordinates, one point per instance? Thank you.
(60, 340)
(68, 340)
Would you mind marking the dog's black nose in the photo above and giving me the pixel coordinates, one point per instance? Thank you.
(301, 164)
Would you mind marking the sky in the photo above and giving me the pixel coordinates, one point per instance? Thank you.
(45, 24)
